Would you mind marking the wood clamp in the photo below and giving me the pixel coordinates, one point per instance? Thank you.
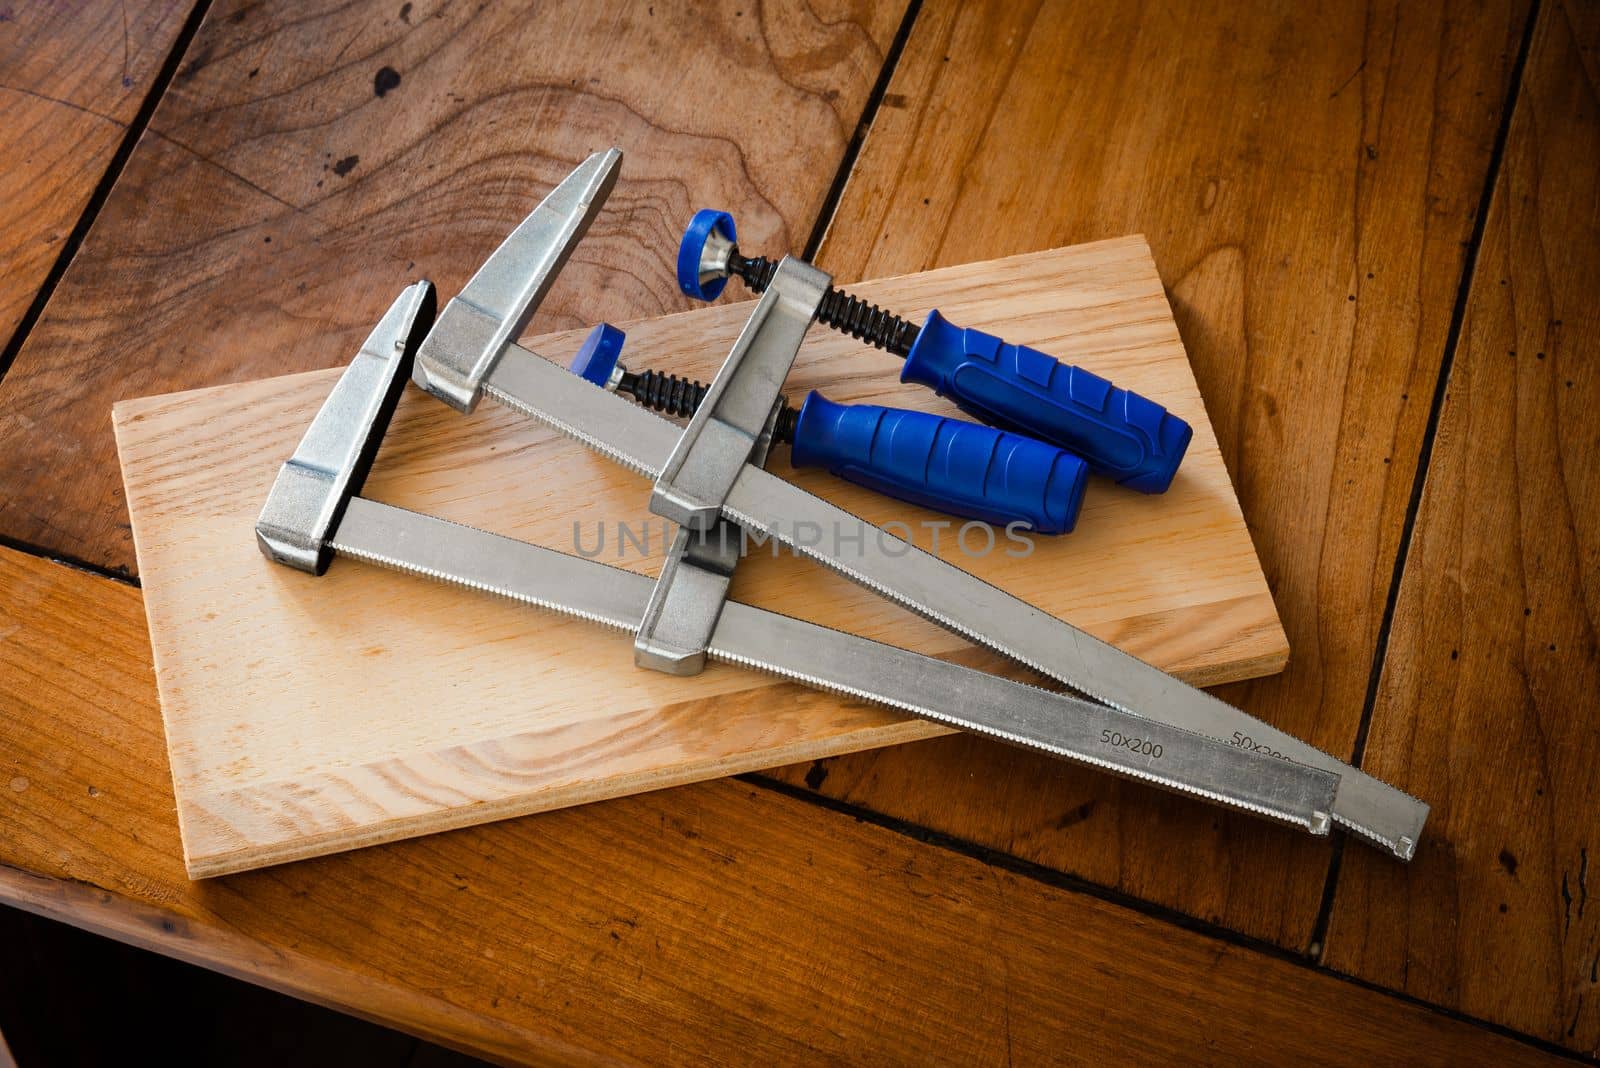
(1135, 720)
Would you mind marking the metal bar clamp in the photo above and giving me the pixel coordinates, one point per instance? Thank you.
(704, 471)
(313, 514)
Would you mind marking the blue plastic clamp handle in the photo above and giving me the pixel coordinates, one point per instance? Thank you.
(1128, 437)
(693, 244)
(597, 356)
(945, 464)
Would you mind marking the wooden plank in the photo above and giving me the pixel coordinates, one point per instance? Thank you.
(306, 164)
(709, 923)
(72, 77)
(419, 707)
(1489, 704)
(1306, 176)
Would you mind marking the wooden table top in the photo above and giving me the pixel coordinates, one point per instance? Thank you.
(1379, 226)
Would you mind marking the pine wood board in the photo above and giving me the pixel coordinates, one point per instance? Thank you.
(306, 716)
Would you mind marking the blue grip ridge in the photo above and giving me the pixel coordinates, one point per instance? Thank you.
(945, 464)
(1121, 434)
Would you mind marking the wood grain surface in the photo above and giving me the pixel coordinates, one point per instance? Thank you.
(305, 716)
(72, 77)
(306, 163)
(1306, 177)
(713, 923)
(1489, 704)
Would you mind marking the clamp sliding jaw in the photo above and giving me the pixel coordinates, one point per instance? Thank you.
(742, 405)
(1140, 722)
(732, 427)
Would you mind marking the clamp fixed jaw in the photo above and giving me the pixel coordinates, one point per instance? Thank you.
(331, 463)
(492, 311)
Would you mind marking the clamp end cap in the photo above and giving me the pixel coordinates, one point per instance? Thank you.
(698, 278)
(596, 359)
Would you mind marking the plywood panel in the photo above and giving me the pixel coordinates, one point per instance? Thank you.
(308, 715)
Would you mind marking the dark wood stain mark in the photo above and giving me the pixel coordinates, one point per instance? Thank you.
(386, 79)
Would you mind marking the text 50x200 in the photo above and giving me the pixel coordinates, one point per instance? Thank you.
(1244, 741)
(1146, 747)
(1143, 746)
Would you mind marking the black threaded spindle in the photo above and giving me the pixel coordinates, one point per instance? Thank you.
(783, 430)
(679, 397)
(663, 392)
(847, 314)
(672, 395)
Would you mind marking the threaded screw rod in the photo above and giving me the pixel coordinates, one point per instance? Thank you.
(681, 397)
(843, 312)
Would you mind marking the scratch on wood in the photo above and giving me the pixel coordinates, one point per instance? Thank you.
(64, 103)
(1583, 880)
(202, 157)
(127, 79)
(1346, 83)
